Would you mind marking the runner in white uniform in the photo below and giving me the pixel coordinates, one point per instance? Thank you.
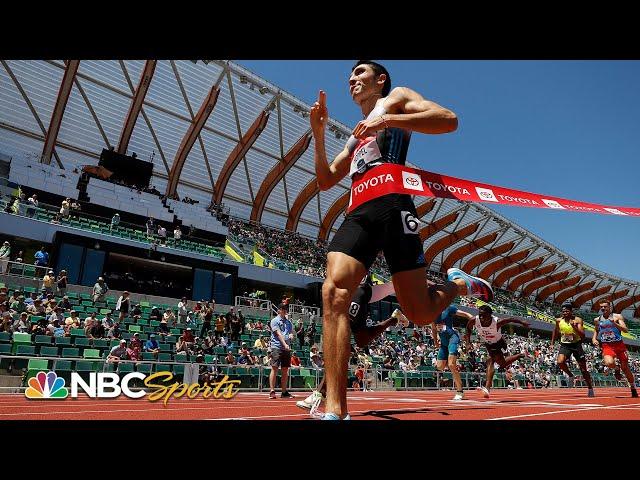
(488, 327)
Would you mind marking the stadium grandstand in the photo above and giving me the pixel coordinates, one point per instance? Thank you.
(191, 185)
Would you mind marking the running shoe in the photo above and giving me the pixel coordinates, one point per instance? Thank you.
(272, 394)
(485, 391)
(634, 393)
(591, 393)
(459, 396)
(312, 400)
(286, 394)
(333, 416)
(402, 320)
(476, 287)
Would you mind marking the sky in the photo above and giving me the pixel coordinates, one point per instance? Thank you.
(564, 128)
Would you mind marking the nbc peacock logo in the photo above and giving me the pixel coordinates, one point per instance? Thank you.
(46, 386)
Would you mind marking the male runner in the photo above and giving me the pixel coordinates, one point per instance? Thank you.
(446, 339)
(365, 294)
(488, 327)
(388, 222)
(608, 334)
(570, 329)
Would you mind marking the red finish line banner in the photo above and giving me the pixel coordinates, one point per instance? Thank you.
(391, 178)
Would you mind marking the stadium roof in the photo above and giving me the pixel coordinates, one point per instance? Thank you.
(216, 131)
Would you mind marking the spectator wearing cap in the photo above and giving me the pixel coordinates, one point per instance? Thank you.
(56, 315)
(169, 316)
(281, 336)
(5, 256)
(244, 356)
(155, 314)
(61, 282)
(182, 310)
(135, 341)
(230, 359)
(37, 308)
(41, 257)
(18, 305)
(30, 299)
(73, 320)
(22, 324)
(152, 345)
(134, 350)
(136, 312)
(117, 353)
(65, 303)
(100, 289)
(185, 342)
(122, 306)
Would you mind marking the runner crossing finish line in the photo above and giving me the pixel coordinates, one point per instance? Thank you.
(390, 178)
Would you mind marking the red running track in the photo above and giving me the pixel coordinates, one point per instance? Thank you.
(550, 404)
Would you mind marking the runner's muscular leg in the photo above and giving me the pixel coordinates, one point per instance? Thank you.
(421, 303)
(343, 277)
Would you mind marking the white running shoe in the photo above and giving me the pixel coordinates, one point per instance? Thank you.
(485, 392)
(402, 320)
(312, 400)
(459, 396)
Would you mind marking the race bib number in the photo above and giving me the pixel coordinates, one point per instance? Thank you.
(354, 308)
(441, 327)
(567, 338)
(366, 151)
(410, 223)
(608, 337)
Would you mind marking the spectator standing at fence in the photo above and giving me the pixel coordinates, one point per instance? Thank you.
(150, 227)
(62, 283)
(182, 310)
(64, 208)
(177, 234)
(162, 234)
(281, 335)
(123, 305)
(41, 257)
(5, 256)
(115, 221)
(100, 289)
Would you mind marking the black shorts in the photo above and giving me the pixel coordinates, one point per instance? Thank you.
(388, 223)
(575, 349)
(280, 358)
(500, 347)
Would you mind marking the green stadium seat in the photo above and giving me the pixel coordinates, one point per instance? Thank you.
(49, 351)
(78, 332)
(70, 352)
(125, 367)
(43, 340)
(82, 341)
(5, 337)
(25, 350)
(91, 353)
(62, 340)
(144, 368)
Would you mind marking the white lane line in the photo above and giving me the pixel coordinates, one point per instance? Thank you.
(611, 407)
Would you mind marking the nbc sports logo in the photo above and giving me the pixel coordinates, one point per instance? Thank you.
(615, 211)
(45, 386)
(552, 203)
(486, 194)
(412, 181)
